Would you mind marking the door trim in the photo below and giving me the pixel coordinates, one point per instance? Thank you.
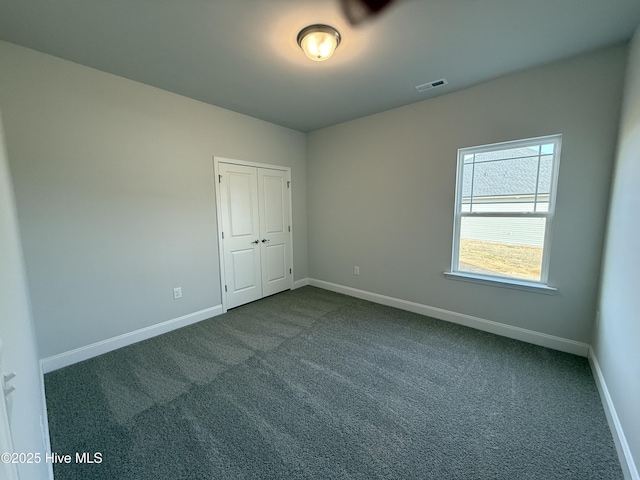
(216, 161)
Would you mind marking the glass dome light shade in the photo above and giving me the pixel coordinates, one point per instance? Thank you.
(318, 42)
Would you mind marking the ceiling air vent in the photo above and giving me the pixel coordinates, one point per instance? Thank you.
(429, 85)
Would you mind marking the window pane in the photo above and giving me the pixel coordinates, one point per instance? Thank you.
(507, 185)
(505, 178)
(467, 177)
(544, 183)
(508, 153)
(505, 246)
(550, 148)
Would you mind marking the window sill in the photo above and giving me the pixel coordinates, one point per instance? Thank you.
(505, 283)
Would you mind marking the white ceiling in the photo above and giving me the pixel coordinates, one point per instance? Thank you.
(242, 54)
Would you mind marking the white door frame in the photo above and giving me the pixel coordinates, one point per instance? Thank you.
(216, 161)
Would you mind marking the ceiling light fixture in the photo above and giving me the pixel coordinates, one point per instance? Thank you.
(318, 42)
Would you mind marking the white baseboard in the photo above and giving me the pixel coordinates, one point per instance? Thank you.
(530, 336)
(300, 283)
(624, 452)
(84, 353)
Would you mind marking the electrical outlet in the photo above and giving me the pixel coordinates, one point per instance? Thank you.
(356, 270)
(177, 293)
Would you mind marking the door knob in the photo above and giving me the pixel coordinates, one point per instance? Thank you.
(256, 242)
(264, 240)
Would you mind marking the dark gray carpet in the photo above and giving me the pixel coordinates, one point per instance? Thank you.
(312, 384)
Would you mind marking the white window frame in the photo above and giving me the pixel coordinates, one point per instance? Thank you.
(510, 282)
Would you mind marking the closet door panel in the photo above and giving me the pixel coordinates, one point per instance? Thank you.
(241, 231)
(275, 234)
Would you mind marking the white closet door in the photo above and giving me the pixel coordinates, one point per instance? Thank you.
(275, 235)
(241, 229)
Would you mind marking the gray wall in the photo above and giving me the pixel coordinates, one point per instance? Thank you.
(115, 195)
(381, 191)
(17, 334)
(617, 335)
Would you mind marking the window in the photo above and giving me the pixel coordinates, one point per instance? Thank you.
(505, 198)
